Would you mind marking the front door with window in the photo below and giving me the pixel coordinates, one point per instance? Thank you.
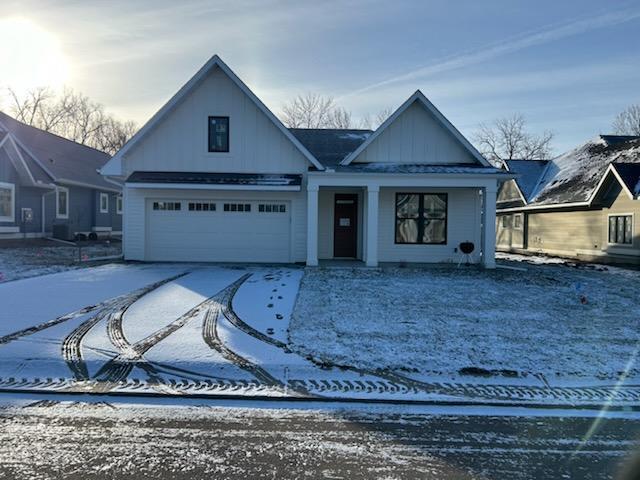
(345, 229)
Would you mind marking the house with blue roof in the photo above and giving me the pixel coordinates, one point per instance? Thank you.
(51, 186)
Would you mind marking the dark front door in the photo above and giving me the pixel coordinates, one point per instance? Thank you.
(345, 225)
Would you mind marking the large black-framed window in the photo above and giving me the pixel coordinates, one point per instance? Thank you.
(421, 218)
(621, 229)
(218, 134)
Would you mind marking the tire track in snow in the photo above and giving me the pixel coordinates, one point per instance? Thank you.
(132, 355)
(212, 338)
(72, 343)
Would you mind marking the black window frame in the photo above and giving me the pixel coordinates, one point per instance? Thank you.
(421, 218)
(616, 218)
(236, 207)
(209, 145)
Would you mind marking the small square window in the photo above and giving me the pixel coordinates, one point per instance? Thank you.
(283, 208)
(218, 134)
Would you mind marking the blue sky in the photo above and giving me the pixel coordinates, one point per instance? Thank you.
(568, 66)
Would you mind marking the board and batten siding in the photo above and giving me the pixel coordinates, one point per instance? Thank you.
(463, 224)
(135, 219)
(180, 141)
(416, 137)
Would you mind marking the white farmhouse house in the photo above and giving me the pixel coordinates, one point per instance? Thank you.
(214, 176)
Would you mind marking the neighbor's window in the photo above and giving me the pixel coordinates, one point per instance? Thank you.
(218, 134)
(505, 221)
(167, 206)
(202, 207)
(517, 221)
(237, 207)
(104, 203)
(7, 202)
(62, 202)
(421, 218)
(119, 205)
(620, 229)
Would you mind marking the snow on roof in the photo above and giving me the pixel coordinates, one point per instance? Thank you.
(574, 176)
(330, 146)
(417, 168)
(61, 158)
(216, 178)
(529, 172)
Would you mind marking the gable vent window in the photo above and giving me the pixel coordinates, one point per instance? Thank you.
(620, 229)
(167, 205)
(237, 207)
(202, 207)
(272, 207)
(218, 134)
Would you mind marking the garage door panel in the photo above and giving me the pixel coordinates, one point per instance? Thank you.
(218, 236)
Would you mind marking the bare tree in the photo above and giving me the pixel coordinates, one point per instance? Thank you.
(71, 115)
(627, 122)
(339, 118)
(308, 111)
(374, 122)
(507, 139)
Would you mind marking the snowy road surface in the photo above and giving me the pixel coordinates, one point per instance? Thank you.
(408, 335)
(49, 440)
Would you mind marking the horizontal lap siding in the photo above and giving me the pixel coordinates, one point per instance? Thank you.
(463, 224)
(135, 217)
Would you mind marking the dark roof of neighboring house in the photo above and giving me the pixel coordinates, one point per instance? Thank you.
(529, 172)
(330, 146)
(630, 175)
(574, 176)
(274, 180)
(62, 159)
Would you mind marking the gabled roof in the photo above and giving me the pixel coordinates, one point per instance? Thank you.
(213, 62)
(330, 146)
(529, 173)
(419, 97)
(574, 176)
(573, 179)
(50, 157)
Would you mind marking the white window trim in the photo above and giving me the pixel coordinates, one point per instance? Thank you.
(12, 217)
(518, 215)
(633, 224)
(106, 209)
(119, 204)
(58, 214)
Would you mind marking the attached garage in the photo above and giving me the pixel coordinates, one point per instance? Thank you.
(218, 229)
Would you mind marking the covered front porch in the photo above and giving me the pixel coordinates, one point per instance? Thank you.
(400, 218)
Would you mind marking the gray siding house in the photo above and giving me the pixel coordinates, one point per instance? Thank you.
(51, 186)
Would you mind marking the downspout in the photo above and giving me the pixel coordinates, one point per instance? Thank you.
(44, 211)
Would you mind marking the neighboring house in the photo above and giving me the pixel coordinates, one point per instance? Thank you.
(215, 176)
(583, 204)
(51, 186)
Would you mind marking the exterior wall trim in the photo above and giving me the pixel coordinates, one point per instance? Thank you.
(189, 186)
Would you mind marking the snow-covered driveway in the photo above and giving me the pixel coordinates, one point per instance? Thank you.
(211, 330)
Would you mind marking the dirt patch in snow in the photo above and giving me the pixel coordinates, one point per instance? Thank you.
(551, 320)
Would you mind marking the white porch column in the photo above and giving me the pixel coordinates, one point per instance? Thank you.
(373, 192)
(489, 239)
(312, 225)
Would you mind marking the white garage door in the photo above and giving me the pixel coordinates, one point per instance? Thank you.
(218, 230)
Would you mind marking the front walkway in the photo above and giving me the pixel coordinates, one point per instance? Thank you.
(212, 331)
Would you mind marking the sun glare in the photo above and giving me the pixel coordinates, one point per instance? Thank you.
(30, 56)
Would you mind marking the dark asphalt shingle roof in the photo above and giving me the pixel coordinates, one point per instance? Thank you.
(417, 168)
(574, 176)
(280, 180)
(529, 172)
(64, 158)
(330, 146)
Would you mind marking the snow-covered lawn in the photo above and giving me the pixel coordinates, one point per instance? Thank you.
(31, 258)
(557, 321)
